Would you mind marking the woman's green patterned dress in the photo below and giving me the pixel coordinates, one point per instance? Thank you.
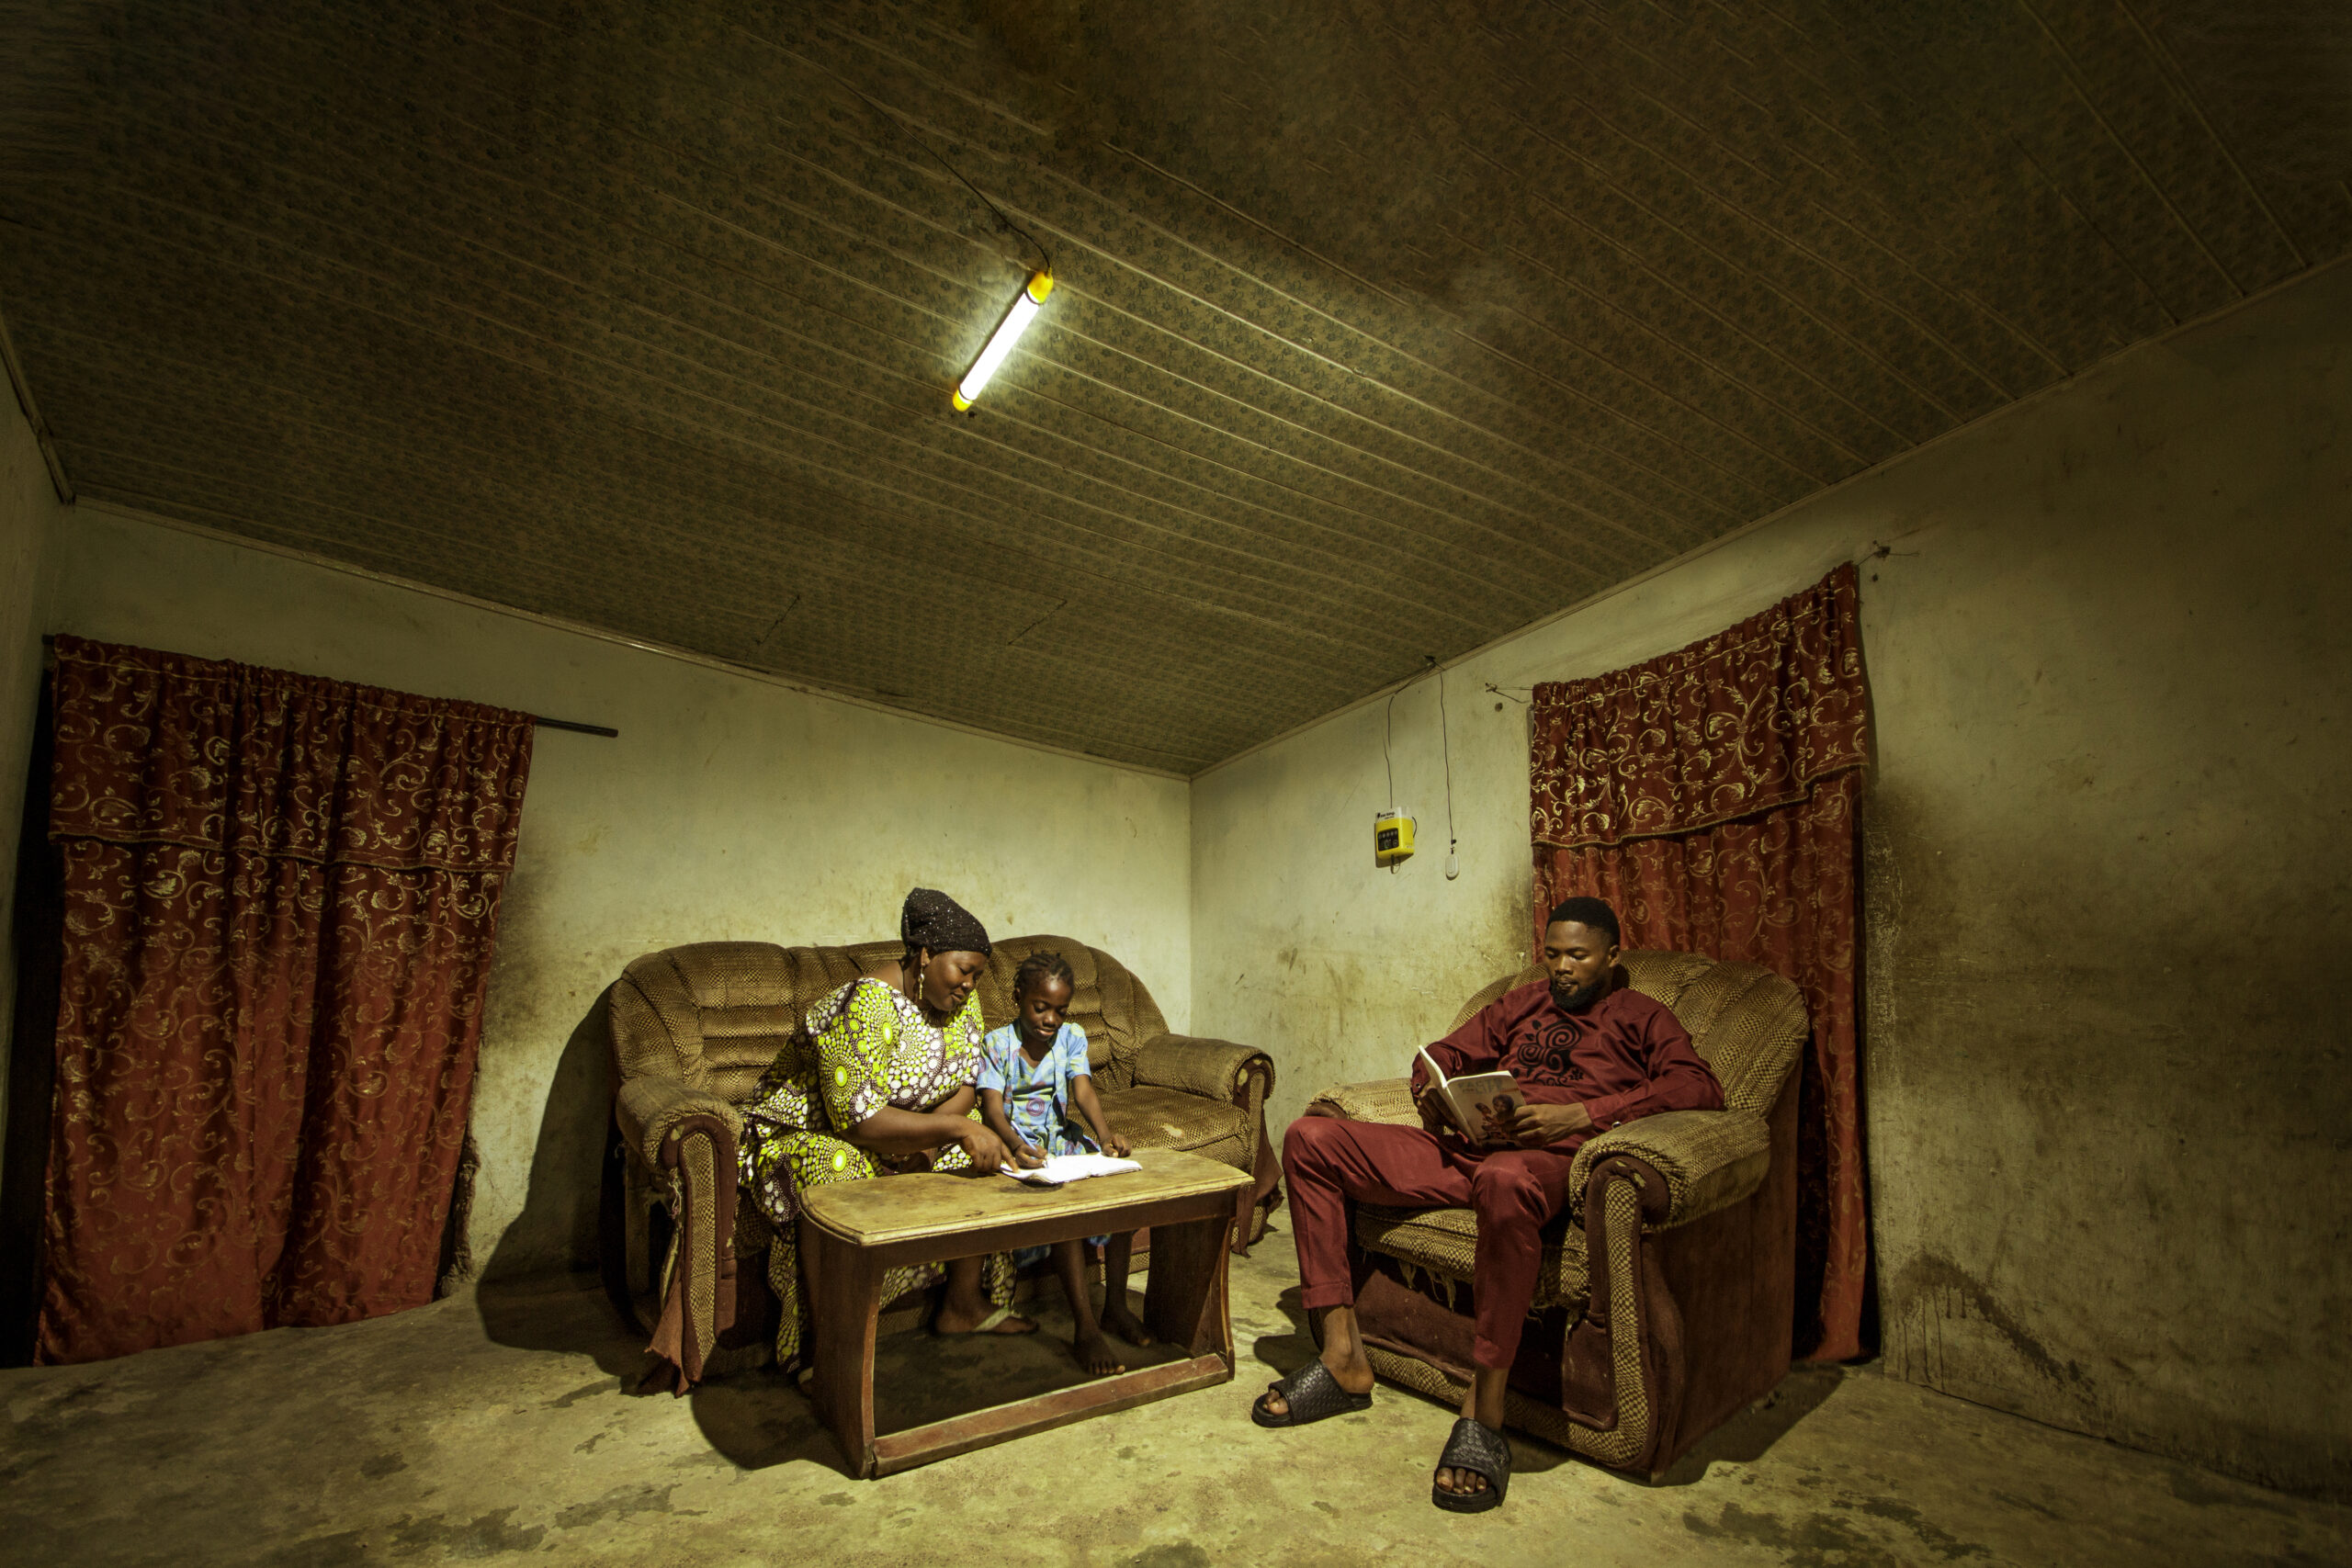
(866, 1047)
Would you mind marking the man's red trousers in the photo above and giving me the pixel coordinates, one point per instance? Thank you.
(1328, 1163)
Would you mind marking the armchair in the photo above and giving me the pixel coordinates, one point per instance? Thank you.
(695, 1027)
(1666, 1302)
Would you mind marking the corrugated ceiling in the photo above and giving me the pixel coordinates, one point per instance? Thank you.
(1381, 329)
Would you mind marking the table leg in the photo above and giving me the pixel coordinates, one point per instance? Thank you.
(844, 1289)
(1185, 1295)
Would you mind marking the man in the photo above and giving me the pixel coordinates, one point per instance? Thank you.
(1589, 1056)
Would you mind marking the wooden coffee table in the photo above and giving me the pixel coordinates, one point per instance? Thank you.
(851, 1232)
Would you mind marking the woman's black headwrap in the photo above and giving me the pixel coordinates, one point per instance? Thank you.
(933, 920)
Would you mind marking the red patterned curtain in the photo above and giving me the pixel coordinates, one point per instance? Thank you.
(1709, 795)
(281, 898)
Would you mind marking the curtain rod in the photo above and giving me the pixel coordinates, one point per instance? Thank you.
(49, 661)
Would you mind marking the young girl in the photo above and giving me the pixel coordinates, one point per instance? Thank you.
(1035, 1083)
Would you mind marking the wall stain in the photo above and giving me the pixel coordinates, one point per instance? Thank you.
(381, 1465)
(1930, 1289)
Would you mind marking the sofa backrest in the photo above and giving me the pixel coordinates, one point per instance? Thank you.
(1746, 1022)
(716, 1013)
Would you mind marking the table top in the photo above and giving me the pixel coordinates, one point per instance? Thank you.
(931, 1204)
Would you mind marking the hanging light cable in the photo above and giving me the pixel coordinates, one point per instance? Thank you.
(1008, 332)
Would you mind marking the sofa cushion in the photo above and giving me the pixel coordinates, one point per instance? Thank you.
(1171, 1119)
(1444, 1242)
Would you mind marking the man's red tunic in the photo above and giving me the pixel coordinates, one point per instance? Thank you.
(1621, 1057)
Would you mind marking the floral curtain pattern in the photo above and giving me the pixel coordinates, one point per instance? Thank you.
(281, 901)
(1710, 795)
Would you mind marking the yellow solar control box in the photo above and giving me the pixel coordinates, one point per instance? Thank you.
(1392, 837)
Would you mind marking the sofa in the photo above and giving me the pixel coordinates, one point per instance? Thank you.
(694, 1028)
(1667, 1295)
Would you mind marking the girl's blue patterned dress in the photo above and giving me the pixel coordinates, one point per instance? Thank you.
(1038, 1098)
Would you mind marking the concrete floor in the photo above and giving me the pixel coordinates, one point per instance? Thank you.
(496, 1426)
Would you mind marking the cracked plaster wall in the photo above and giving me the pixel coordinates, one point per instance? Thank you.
(731, 807)
(2106, 1085)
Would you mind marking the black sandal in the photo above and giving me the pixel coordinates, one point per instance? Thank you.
(1482, 1450)
(1310, 1394)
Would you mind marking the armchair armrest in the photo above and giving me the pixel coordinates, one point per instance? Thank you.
(651, 1107)
(1709, 1159)
(1381, 1100)
(1213, 1069)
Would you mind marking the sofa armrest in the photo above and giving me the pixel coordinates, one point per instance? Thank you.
(1213, 1069)
(1379, 1100)
(650, 1108)
(1709, 1159)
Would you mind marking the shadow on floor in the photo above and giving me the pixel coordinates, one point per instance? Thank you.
(763, 1418)
(1744, 1439)
(1288, 1352)
(569, 1313)
(1749, 1436)
(528, 1293)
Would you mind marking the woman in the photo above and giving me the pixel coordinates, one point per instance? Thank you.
(879, 1081)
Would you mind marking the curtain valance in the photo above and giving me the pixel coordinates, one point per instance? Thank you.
(1746, 720)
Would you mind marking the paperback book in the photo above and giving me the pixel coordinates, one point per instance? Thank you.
(1480, 1104)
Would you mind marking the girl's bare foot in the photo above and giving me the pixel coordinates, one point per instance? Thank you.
(1126, 1325)
(1095, 1353)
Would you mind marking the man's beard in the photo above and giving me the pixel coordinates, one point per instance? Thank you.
(1573, 999)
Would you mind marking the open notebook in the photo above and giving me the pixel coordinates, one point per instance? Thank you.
(1060, 1168)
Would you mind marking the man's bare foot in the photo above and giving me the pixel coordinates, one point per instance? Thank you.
(1464, 1483)
(1469, 1483)
(1356, 1379)
(1126, 1325)
(954, 1320)
(1096, 1354)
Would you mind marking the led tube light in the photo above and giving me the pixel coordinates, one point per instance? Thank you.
(1008, 332)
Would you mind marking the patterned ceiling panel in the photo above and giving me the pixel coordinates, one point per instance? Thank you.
(1379, 332)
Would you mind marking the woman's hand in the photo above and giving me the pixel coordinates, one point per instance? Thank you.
(1115, 1145)
(984, 1148)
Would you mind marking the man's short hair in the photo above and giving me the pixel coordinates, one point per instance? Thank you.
(1588, 913)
